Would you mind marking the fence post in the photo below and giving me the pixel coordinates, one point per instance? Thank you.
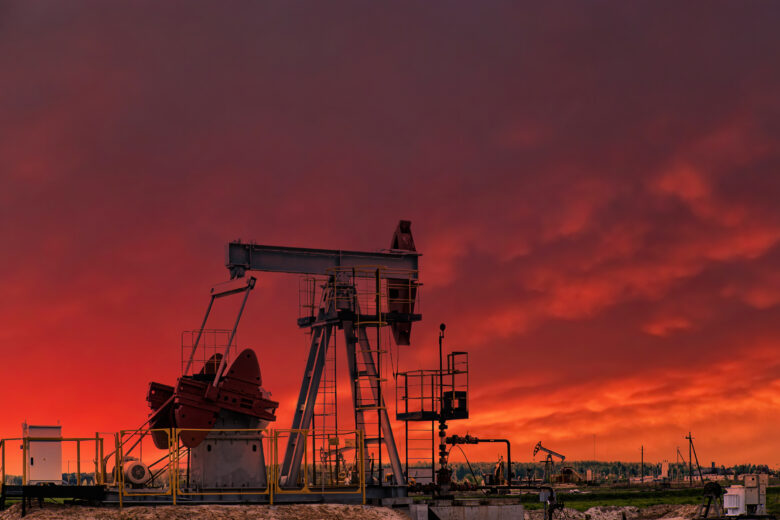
(78, 462)
(118, 475)
(173, 464)
(24, 462)
(98, 457)
(272, 482)
(363, 464)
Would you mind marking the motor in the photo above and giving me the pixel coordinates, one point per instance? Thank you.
(136, 472)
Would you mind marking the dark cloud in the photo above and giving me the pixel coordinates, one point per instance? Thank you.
(594, 189)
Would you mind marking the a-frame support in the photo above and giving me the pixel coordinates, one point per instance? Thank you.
(322, 330)
(357, 344)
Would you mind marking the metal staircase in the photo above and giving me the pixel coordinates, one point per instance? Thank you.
(324, 423)
(370, 409)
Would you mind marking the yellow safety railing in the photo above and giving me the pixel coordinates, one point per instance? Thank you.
(171, 451)
(174, 485)
(2, 461)
(305, 486)
(304, 470)
(99, 477)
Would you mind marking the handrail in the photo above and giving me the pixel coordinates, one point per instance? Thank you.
(105, 459)
(26, 447)
(175, 451)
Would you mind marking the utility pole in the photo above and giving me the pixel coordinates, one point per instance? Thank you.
(692, 450)
(642, 463)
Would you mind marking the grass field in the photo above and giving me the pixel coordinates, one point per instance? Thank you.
(644, 498)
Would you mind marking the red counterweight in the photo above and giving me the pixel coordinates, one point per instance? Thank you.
(196, 402)
(402, 292)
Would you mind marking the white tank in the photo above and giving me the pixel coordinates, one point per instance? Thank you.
(734, 501)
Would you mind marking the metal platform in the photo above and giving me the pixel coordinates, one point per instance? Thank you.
(91, 494)
(373, 494)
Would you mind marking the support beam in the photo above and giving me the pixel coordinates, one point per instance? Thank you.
(302, 260)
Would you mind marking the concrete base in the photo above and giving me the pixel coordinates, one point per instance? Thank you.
(396, 502)
(229, 459)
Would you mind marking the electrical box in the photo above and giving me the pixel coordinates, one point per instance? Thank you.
(44, 454)
(754, 497)
(455, 405)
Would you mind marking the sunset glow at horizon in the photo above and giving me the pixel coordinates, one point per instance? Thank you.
(594, 189)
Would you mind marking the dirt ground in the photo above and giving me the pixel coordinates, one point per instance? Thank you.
(666, 512)
(317, 512)
(285, 512)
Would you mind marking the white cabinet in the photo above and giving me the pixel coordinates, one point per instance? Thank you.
(44, 454)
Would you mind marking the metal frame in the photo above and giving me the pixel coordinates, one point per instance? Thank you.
(420, 397)
(339, 308)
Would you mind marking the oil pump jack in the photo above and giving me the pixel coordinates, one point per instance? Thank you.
(394, 271)
(204, 400)
(549, 462)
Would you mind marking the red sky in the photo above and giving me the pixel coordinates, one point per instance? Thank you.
(594, 188)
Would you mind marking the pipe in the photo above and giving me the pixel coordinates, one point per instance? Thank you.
(508, 456)
(469, 439)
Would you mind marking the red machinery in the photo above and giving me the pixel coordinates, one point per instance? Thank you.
(401, 293)
(195, 403)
